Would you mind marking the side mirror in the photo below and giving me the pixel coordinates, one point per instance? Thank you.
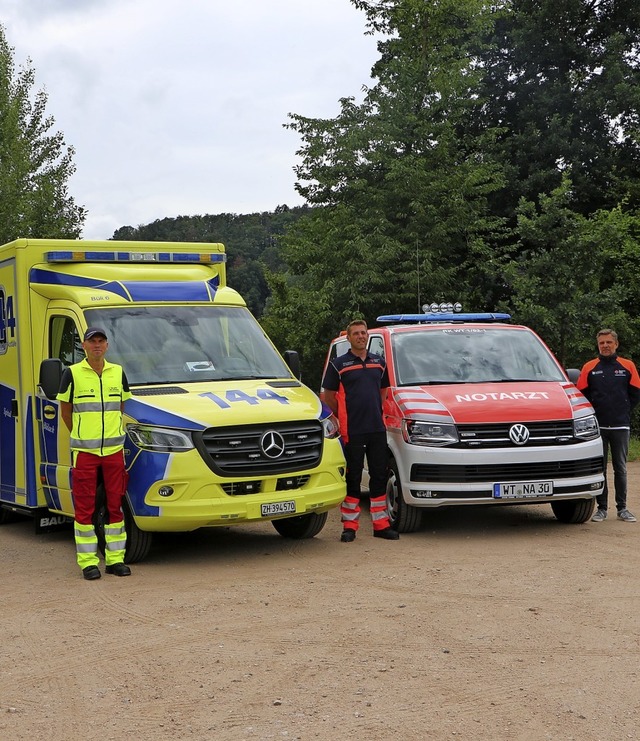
(292, 359)
(50, 377)
(574, 374)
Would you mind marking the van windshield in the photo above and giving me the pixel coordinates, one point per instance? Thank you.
(471, 355)
(177, 344)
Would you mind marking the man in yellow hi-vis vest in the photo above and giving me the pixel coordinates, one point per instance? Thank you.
(92, 395)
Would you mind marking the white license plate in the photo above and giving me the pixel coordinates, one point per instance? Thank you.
(277, 508)
(523, 490)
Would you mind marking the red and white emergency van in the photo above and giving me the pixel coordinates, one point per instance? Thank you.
(479, 411)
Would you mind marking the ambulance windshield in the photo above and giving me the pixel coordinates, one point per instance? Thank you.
(178, 344)
(472, 355)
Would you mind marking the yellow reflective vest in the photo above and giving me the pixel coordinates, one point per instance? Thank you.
(97, 417)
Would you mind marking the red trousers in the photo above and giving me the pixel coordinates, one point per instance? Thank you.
(84, 482)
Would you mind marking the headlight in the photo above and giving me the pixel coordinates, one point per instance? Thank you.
(330, 427)
(159, 439)
(417, 432)
(586, 427)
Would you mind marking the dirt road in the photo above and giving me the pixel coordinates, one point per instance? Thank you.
(492, 623)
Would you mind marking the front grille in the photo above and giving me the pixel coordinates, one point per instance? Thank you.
(236, 451)
(238, 488)
(497, 435)
(505, 472)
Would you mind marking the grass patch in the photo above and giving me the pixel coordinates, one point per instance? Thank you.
(634, 449)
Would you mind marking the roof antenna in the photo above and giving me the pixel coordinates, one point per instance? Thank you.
(418, 272)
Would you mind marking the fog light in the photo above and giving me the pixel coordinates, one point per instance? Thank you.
(165, 491)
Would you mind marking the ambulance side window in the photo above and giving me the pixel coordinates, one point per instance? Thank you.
(64, 340)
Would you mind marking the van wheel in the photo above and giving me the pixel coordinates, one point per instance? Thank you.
(405, 518)
(138, 541)
(302, 526)
(573, 511)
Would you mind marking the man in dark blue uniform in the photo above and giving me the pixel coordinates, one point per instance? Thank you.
(612, 385)
(358, 381)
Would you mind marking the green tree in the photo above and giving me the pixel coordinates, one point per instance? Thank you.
(562, 81)
(35, 165)
(566, 280)
(400, 187)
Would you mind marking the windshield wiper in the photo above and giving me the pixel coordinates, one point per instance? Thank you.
(437, 382)
(518, 380)
(244, 377)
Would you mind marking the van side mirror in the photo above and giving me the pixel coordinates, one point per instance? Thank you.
(573, 374)
(50, 377)
(292, 359)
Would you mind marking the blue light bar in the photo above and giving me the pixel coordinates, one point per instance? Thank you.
(136, 257)
(435, 318)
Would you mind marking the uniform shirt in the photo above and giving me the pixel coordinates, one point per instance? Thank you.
(612, 385)
(361, 382)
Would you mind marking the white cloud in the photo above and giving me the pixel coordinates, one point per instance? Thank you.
(178, 107)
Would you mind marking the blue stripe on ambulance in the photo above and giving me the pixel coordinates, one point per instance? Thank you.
(148, 468)
(30, 457)
(144, 471)
(146, 414)
(47, 411)
(193, 291)
(8, 428)
(199, 291)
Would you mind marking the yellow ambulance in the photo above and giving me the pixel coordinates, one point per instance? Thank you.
(220, 430)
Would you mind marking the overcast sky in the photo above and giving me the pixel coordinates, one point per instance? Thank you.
(176, 107)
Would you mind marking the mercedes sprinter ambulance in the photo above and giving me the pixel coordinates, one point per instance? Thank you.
(220, 431)
(479, 411)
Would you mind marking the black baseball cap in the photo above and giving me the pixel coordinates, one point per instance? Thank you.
(93, 331)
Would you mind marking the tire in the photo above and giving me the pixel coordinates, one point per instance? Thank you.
(138, 541)
(573, 511)
(301, 526)
(404, 517)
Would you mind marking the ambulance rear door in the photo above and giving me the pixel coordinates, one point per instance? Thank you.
(12, 423)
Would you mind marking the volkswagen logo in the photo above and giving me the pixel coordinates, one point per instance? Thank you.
(272, 444)
(519, 434)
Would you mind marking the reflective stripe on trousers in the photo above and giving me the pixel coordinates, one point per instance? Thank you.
(115, 537)
(350, 513)
(379, 513)
(86, 545)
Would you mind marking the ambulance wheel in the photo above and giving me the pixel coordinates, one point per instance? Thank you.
(302, 526)
(404, 517)
(138, 541)
(573, 511)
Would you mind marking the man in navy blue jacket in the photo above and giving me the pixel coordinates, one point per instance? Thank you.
(358, 381)
(612, 385)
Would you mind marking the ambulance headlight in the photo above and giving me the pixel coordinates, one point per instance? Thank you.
(586, 428)
(418, 432)
(330, 427)
(159, 439)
